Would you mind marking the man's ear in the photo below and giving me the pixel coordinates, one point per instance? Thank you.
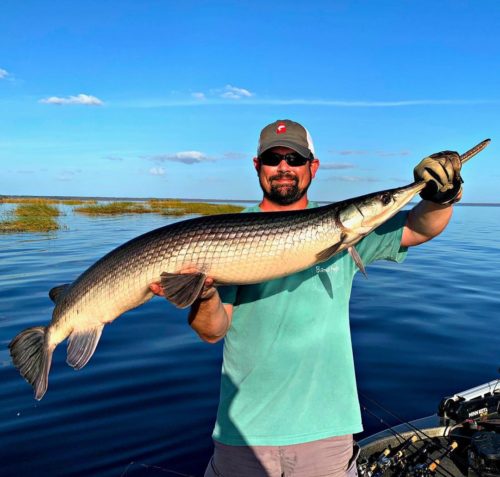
(313, 167)
(256, 164)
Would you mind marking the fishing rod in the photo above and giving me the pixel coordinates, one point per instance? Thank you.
(446, 453)
(409, 424)
(416, 465)
(370, 469)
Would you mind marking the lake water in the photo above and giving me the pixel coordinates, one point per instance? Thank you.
(146, 402)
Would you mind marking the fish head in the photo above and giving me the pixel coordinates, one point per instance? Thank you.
(363, 214)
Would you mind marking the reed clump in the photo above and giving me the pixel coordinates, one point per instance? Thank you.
(27, 200)
(178, 207)
(114, 208)
(78, 201)
(32, 217)
(41, 200)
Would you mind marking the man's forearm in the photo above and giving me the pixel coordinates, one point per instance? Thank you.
(209, 319)
(425, 221)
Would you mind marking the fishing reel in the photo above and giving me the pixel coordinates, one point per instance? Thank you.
(474, 403)
(412, 458)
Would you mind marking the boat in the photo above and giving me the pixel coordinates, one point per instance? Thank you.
(461, 440)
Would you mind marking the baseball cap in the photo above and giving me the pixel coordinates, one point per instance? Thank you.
(286, 133)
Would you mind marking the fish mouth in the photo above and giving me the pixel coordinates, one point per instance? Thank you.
(405, 194)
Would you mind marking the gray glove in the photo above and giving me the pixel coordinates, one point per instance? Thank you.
(441, 171)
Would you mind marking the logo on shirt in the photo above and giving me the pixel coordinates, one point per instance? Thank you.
(331, 268)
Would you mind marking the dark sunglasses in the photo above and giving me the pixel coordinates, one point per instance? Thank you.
(293, 159)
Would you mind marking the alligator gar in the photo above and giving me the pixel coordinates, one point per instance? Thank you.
(235, 249)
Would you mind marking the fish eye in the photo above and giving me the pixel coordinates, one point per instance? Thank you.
(385, 198)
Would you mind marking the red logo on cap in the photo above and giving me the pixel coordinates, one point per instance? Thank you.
(281, 129)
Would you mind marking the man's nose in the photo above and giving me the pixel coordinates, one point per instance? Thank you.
(283, 166)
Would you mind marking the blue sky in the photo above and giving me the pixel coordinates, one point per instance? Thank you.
(167, 98)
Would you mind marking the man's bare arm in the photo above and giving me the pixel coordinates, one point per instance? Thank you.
(208, 316)
(425, 221)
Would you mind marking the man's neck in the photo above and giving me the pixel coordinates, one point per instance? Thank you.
(267, 205)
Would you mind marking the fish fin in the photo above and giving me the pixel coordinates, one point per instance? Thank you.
(81, 346)
(32, 357)
(357, 260)
(330, 251)
(56, 292)
(182, 289)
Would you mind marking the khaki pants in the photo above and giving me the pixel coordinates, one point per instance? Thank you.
(331, 457)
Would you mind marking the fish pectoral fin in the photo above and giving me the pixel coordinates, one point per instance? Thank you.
(357, 260)
(330, 251)
(56, 293)
(182, 289)
(82, 344)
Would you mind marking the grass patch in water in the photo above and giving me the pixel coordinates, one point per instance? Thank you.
(41, 200)
(179, 208)
(165, 207)
(27, 200)
(114, 208)
(77, 201)
(31, 217)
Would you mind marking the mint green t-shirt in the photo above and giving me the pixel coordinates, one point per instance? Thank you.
(288, 371)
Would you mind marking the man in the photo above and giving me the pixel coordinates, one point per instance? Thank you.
(288, 404)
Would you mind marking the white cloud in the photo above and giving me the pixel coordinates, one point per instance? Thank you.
(221, 96)
(157, 171)
(379, 153)
(84, 99)
(336, 165)
(186, 157)
(66, 175)
(3, 73)
(353, 179)
(236, 155)
(374, 104)
(232, 92)
(199, 96)
(114, 158)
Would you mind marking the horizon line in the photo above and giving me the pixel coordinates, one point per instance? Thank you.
(99, 197)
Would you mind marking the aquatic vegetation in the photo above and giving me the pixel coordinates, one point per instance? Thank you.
(91, 207)
(31, 217)
(179, 207)
(170, 207)
(114, 208)
(27, 200)
(77, 201)
(41, 200)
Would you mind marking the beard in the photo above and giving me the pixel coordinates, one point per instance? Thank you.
(283, 194)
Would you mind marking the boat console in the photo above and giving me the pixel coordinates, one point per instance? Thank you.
(461, 440)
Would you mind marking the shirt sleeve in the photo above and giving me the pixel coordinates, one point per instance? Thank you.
(384, 243)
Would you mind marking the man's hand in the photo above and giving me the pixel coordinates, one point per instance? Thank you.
(441, 171)
(207, 291)
(208, 316)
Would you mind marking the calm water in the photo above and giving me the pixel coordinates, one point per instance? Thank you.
(146, 402)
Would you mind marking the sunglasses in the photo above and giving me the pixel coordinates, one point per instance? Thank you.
(293, 159)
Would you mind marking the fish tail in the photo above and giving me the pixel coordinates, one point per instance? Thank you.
(32, 356)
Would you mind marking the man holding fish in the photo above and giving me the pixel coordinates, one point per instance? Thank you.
(288, 403)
